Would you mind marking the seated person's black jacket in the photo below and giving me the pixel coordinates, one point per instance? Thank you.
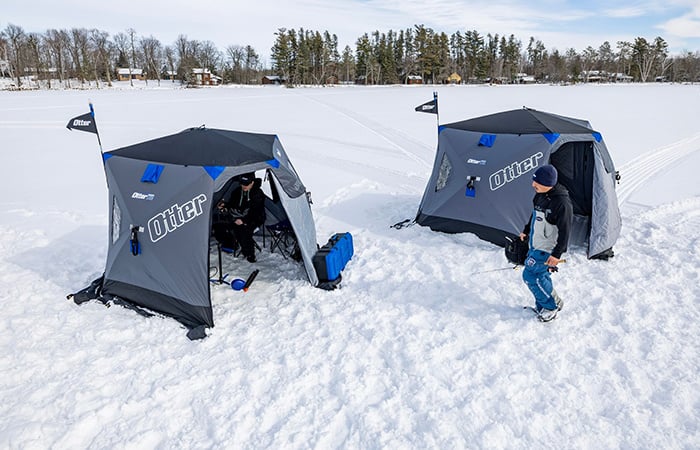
(247, 206)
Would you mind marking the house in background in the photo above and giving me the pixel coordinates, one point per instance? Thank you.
(5, 69)
(204, 77)
(414, 79)
(136, 74)
(272, 79)
(523, 78)
(622, 78)
(593, 76)
(454, 78)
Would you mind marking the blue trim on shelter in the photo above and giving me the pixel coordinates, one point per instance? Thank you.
(598, 137)
(487, 140)
(106, 156)
(274, 163)
(214, 171)
(152, 173)
(551, 137)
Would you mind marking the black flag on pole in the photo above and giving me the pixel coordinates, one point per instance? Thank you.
(428, 107)
(86, 122)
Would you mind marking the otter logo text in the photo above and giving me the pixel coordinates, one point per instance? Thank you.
(175, 217)
(513, 171)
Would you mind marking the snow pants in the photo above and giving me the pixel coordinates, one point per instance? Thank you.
(244, 236)
(538, 279)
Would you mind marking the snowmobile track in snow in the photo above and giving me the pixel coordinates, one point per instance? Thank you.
(636, 172)
(406, 144)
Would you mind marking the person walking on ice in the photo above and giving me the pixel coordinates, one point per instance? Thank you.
(548, 233)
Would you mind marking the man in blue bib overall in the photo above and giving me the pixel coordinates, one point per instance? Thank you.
(548, 231)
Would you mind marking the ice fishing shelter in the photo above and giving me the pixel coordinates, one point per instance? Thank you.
(482, 176)
(160, 201)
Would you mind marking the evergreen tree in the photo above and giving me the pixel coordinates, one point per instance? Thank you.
(347, 65)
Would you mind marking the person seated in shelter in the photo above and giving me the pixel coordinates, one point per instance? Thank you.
(239, 215)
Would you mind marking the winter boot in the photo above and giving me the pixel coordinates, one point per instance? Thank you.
(559, 302)
(545, 315)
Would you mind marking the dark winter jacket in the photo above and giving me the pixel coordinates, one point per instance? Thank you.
(248, 206)
(550, 225)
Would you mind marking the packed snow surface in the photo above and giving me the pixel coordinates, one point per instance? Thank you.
(426, 345)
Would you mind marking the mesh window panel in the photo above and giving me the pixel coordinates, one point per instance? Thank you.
(444, 173)
(116, 220)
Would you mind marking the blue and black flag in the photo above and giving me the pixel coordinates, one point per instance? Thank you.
(86, 122)
(428, 107)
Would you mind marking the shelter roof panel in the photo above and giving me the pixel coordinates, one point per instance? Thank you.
(522, 121)
(204, 147)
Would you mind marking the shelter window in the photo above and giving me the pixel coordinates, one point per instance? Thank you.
(116, 220)
(443, 173)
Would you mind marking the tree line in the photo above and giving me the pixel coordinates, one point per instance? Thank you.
(80, 55)
(310, 57)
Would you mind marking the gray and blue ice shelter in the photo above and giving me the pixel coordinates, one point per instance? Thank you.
(482, 176)
(161, 197)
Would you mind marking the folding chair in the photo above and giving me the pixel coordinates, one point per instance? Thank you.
(282, 238)
(278, 227)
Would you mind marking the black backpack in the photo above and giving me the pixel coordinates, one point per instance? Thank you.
(516, 250)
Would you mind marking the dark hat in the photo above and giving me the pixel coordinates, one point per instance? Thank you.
(246, 178)
(545, 175)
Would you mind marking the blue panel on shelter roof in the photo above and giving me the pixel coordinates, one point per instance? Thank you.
(487, 140)
(274, 163)
(598, 137)
(152, 173)
(214, 171)
(106, 156)
(551, 137)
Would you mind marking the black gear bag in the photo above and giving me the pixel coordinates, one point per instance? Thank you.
(516, 250)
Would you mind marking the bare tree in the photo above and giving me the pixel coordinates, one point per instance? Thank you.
(131, 33)
(56, 42)
(187, 52)
(15, 34)
(153, 56)
(34, 59)
(121, 42)
(5, 67)
(169, 55)
(79, 52)
(235, 57)
(209, 56)
(102, 53)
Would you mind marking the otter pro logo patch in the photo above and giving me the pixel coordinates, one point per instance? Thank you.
(175, 217)
(513, 171)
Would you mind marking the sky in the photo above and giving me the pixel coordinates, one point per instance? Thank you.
(559, 24)
(426, 345)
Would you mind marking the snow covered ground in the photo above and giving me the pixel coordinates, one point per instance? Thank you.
(425, 346)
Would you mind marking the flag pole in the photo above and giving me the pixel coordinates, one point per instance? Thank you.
(97, 133)
(437, 114)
